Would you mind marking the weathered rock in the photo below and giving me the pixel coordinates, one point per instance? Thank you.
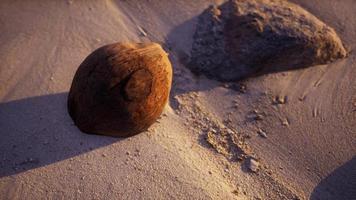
(240, 38)
(120, 89)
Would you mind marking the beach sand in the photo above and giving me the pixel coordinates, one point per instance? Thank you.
(304, 145)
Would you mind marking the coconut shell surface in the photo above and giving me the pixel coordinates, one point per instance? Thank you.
(120, 89)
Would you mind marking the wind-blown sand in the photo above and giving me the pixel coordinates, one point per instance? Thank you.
(309, 151)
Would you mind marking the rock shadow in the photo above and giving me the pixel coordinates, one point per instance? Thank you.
(38, 131)
(340, 184)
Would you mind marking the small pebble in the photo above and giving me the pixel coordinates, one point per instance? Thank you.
(315, 112)
(258, 117)
(302, 98)
(213, 130)
(280, 99)
(253, 165)
(229, 131)
(142, 31)
(262, 133)
(285, 122)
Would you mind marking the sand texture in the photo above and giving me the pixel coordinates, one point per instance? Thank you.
(285, 134)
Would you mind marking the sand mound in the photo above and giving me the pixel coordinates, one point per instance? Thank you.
(120, 89)
(239, 38)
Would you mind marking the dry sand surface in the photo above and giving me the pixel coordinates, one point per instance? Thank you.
(295, 129)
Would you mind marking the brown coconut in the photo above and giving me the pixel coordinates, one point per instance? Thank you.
(120, 89)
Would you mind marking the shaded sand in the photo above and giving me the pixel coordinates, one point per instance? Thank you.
(308, 149)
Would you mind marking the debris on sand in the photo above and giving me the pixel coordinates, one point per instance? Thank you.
(257, 116)
(214, 140)
(239, 38)
(142, 31)
(285, 122)
(120, 89)
(222, 138)
(315, 112)
(280, 99)
(253, 165)
(239, 87)
(262, 133)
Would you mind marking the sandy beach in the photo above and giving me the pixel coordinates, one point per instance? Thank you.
(303, 146)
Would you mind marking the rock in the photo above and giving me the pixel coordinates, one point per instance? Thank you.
(120, 89)
(240, 38)
(253, 165)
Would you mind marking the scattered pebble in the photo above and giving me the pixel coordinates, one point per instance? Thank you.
(258, 117)
(285, 122)
(315, 112)
(253, 165)
(229, 131)
(302, 98)
(280, 100)
(142, 31)
(262, 133)
(213, 130)
(240, 88)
